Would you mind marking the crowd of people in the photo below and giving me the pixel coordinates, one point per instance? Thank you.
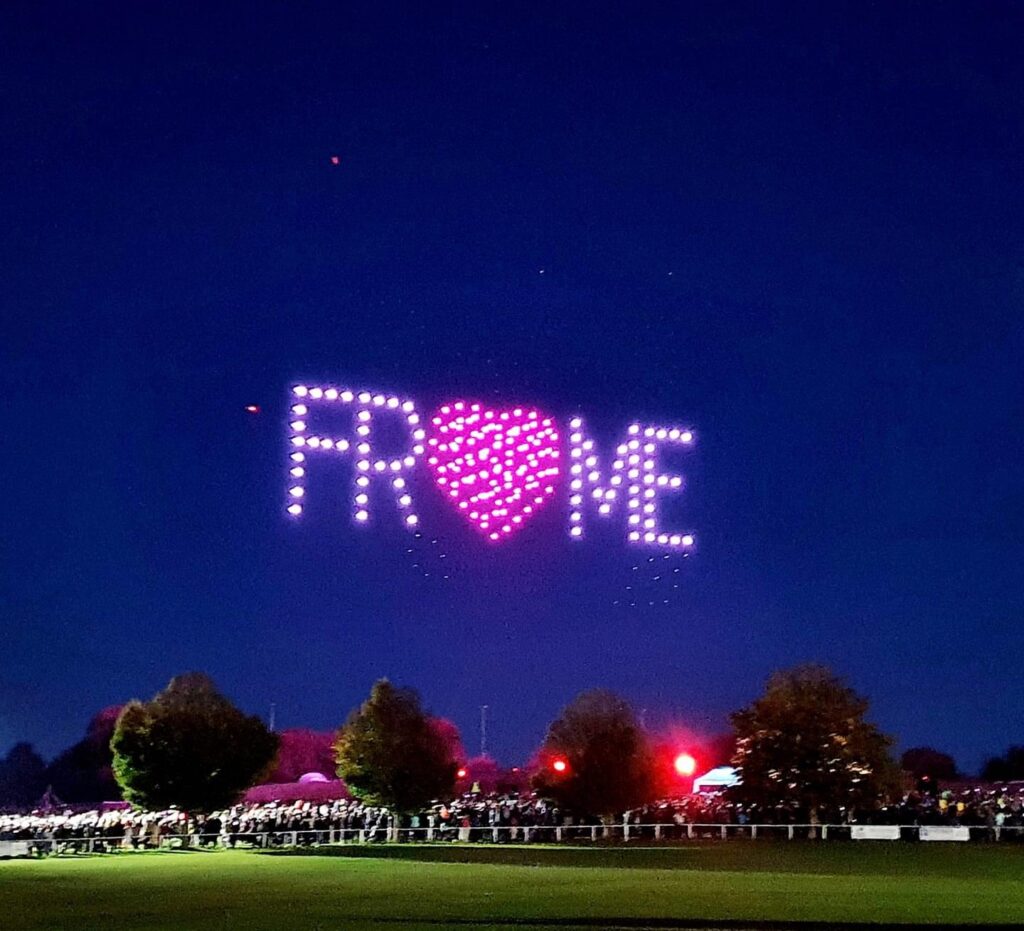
(991, 812)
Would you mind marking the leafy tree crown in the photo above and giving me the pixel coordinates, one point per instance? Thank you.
(392, 754)
(805, 744)
(189, 747)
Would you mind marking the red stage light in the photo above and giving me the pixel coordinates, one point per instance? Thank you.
(461, 774)
(559, 766)
(685, 764)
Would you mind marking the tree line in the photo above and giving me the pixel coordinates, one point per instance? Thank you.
(805, 744)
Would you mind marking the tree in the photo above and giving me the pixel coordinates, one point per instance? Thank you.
(805, 745)
(22, 777)
(596, 758)
(300, 752)
(84, 772)
(189, 748)
(482, 775)
(448, 733)
(928, 763)
(392, 754)
(1004, 768)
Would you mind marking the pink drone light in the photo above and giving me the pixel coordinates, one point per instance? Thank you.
(497, 467)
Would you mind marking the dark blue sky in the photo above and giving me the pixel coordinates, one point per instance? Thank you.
(796, 226)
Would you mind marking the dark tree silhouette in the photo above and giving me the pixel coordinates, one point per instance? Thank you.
(1004, 768)
(22, 777)
(927, 762)
(84, 772)
(596, 758)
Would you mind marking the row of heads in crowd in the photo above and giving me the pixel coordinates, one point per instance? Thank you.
(991, 805)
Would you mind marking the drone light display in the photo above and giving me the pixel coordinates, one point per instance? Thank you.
(497, 467)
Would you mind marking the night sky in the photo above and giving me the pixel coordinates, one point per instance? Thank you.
(795, 227)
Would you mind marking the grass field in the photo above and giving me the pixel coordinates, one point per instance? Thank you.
(701, 885)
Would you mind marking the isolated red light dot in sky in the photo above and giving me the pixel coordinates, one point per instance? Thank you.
(335, 159)
(686, 765)
(252, 408)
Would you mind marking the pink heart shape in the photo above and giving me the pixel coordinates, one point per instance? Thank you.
(497, 467)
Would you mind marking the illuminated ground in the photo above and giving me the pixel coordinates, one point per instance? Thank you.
(706, 885)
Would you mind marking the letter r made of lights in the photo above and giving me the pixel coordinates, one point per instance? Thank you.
(496, 466)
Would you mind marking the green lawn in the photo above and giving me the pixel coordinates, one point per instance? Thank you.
(421, 886)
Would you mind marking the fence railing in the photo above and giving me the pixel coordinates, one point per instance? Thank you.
(501, 834)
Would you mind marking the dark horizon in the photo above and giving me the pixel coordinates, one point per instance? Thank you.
(796, 229)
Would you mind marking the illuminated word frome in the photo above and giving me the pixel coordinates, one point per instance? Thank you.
(496, 466)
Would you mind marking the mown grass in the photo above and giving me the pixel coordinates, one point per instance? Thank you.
(700, 885)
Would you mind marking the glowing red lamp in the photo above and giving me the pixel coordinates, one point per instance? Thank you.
(462, 773)
(559, 765)
(685, 764)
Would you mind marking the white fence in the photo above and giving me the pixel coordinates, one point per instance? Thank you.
(636, 834)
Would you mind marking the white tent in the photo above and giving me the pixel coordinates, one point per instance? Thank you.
(721, 777)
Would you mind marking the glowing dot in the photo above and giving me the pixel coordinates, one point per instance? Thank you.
(412, 520)
(300, 391)
(297, 491)
(685, 764)
(688, 538)
(331, 394)
(362, 515)
(295, 509)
